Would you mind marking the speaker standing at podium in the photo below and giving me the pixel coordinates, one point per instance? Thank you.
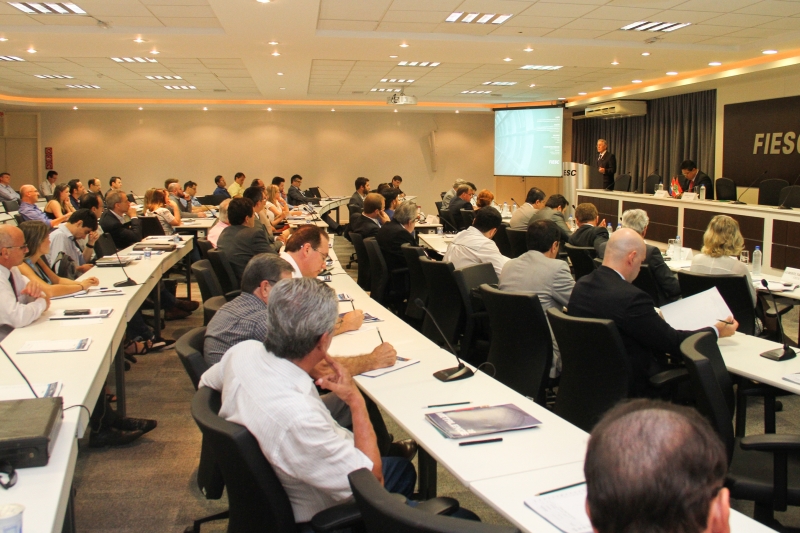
(606, 163)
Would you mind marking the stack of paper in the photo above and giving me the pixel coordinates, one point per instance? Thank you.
(565, 509)
(700, 311)
(59, 314)
(19, 392)
(65, 345)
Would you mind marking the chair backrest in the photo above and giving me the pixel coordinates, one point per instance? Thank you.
(206, 279)
(790, 196)
(467, 216)
(363, 260)
(470, 278)
(769, 191)
(189, 348)
(449, 223)
(622, 183)
(212, 199)
(438, 206)
(151, 226)
(733, 289)
(383, 512)
(11, 205)
(595, 368)
(651, 183)
(444, 301)
(418, 287)
(224, 271)
(517, 239)
(105, 246)
(204, 245)
(581, 258)
(378, 271)
(522, 356)
(257, 500)
(726, 189)
(18, 218)
(713, 397)
(354, 210)
(501, 240)
(647, 283)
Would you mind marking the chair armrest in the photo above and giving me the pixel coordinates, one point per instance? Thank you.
(751, 388)
(441, 505)
(344, 515)
(771, 443)
(669, 377)
(233, 294)
(398, 271)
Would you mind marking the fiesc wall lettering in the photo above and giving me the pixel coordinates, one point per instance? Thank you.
(761, 136)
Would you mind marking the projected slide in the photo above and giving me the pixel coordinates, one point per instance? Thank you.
(527, 142)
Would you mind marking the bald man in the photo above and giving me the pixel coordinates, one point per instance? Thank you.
(608, 293)
(29, 210)
(24, 301)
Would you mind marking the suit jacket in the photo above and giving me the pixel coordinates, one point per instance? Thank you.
(124, 235)
(699, 180)
(456, 205)
(608, 162)
(296, 196)
(241, 243)
(366, 226)
(548, 213)
(356, 204)
(587, 235)
(391, 237)
(646, 336)
(669, 289)
(522, 216)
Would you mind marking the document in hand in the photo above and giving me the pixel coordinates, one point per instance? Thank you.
(484, 420)
(700, 311)
(401, 362)
(565, 509)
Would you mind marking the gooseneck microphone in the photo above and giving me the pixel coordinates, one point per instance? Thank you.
(515, 202)
(738, 200)
(128, 281)
(459, 372)
(783, 203)
(778, 354)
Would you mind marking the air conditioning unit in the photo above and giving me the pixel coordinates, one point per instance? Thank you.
(615, 109)
(401, 99)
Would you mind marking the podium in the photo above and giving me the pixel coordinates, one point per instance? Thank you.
(579, 176)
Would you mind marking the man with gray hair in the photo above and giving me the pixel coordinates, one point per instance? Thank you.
(655, 466)
(222, 223)
(606, 163)
(666, 281)
(451, 193)
(120, 220)
(266, 387)
(24, 301)
(607, 293)
(396, 232)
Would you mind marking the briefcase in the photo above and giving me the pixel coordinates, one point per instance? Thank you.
(28, 430)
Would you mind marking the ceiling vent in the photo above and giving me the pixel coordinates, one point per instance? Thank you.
(615, 109)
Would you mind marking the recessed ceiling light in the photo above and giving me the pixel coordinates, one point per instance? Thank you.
(636, 81)
(454, 16)
(769, 52)
(269, 109)
(280, 73)
(645, 54)
(134, 59)
(282, 88)
(529, 49)
(404, 45)
(138, 40)
(36, 8)
(470, 17)
(141, 108)
(273, 43)
(456, 111)
(155, 52)
(180, 87)
(395, 110)
(392, 57)
(11, 58)
(276, 53)
(672, 73)
(540, 67)
(173, 77)
(3, 39)
(486, 18)
(644, 25)
(582, 94)
(606, 88)
(205, 109)
(332, 110)
(501, 19)
(615, 62)
(83, 86)
(75, 108)
(263, 1)
(532, 85)
(714, 64)
(499, 83)
(53, 76)
(506, 59)
(31, 50)
(562, 98)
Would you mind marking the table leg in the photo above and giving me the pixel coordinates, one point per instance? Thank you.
(337, 214)
(157, 310)
(119, 375)
(427, 475)
(69, 516)
(188, 260)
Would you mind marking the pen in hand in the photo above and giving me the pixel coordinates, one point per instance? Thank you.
(724, 321)
(379, 333)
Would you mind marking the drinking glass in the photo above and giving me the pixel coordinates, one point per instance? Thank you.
(744, 257)
(671, 249)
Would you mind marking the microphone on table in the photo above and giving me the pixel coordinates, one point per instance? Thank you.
(442, 219)
(324, 192)
(738, 200)
(778, 354)
(782, 206)
(456, 373)
(515, 202)
(128, 281)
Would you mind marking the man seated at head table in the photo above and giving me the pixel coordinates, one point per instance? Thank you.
(373, 217)
(311, 453)
(608, 293)
(655, 466)
(82, 224)
(242, 240)
(533, 203)
(554, 210)
(474, 245)
(540, 271)
(28, 209)
(591, 230)
(222, 222)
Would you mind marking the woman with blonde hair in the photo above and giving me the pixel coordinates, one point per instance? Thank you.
(722, 244)
(59, 205)
(276, 211)
(485, 198)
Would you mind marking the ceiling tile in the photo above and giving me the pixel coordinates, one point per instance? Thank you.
(108, 9)
(553, 9)
(353, 9)
(592, 24)
(493, 6)
(66, 21)
(622, 14)
(190, 22)
(520, 31)
(783, 24)
(681, 15)
(346, 25)
(173, 11)
(540, 22)
(137, 22)
(416, 16)
(742, 21)
(722, 6)
(18, 20)
(425, 5)
(660, 4)
(705, 29)
(464, 29)
(572, 34)
(728, 41)
(400, 27)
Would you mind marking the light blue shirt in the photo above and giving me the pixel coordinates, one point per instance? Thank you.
(8, 193)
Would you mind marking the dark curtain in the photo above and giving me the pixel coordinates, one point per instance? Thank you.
(675, 128)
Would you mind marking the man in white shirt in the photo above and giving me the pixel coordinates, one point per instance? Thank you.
(23, 301)
(47, 186)
(266, 387)
(81, 224)
(7, 192)
(533, 203)
(474, 245)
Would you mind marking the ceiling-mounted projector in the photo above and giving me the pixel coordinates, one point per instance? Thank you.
(401, 99)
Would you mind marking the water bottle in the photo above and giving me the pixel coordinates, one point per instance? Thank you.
(505, 208)
(148, 253)
(439, 230)
(513, 208)
(619, 226)
(703, 192)
(660, 186)
(571, 223)
(176, 239)
(678, 248)
(610, 229)
(757, 261)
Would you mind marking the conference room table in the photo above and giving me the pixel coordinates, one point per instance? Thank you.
(46, 492)
(196, 226)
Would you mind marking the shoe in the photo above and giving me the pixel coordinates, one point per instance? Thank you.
(406, 449)
(127, 366)
(113, 437)
(135, 424)
(160, 343)
(176, 314)
(187, 305)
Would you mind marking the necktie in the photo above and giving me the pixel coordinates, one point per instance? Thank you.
(13, 285)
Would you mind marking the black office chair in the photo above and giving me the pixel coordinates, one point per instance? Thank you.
(386, 287)
(418, 288)
(647, 283)
(764, 469)
(725, 189)
(224, 271)
(104, 246)
(363, 263)
(212, 199)
(189, 348)
(257, 500)
(204, 245)
(734, 290)
(477, 333)
(151, 226)
(622, 183)
(383, 512)
(501, 240)
(594, 368)
(18, 219)
(582, 259)
(651, 183)
(790, 196)
(522, 356)
(210, 290)
(769, 191)
(444, 302)
(438, 206)
(448, 222)
(467, 216)
(517, 238)
(11, 205)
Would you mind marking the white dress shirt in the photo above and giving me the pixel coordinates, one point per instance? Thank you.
(61, 240)
(46, 188)
(20, 312)
(289, 259)
(278, 403)
(471, 247)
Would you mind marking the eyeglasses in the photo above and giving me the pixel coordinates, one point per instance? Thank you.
(324, 256)
(23, 247)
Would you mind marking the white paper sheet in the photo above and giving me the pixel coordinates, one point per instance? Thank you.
(63, 345)
(402, 362)
(21, 392)
(565, 509)
(696, 312)
(359, 342)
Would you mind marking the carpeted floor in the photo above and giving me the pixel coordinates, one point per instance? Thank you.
(150, 486)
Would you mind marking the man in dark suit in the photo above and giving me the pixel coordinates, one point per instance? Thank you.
(295, 196)
(463, 198)
(553, 210)
(399, 231)
(693, 179)
(607, 293)
(591, 231)
(120, 220)
(373, 217)
(606, 164)
(241, 240)
(356, 204)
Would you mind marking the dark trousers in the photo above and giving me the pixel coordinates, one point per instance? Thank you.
(381, 432)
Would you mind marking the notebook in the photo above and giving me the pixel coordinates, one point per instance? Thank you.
(483, 420)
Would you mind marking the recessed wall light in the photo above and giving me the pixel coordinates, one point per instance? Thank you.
(280, 73)
(3, 39)
(273, 43)
(404, 45)
(392, 57)
(31, 50)
(769, 52)
(714, 64)
(529, 49)
(636, 81)
(263, 1)
(645, 54)
(606, 88)
(75, 108)
(581, 94)
(456, 111)
(532, 85)
(134, 59)
(672, 73)
(36, 8)
(395, 110)
(615, 62)
(540, 67)
(269, 109)
(282, 88)
(276, 53)
(332, 110)
(205, 109)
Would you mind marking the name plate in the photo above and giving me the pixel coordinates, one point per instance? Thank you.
(791, 276)
(689, 196)
(661, 194)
